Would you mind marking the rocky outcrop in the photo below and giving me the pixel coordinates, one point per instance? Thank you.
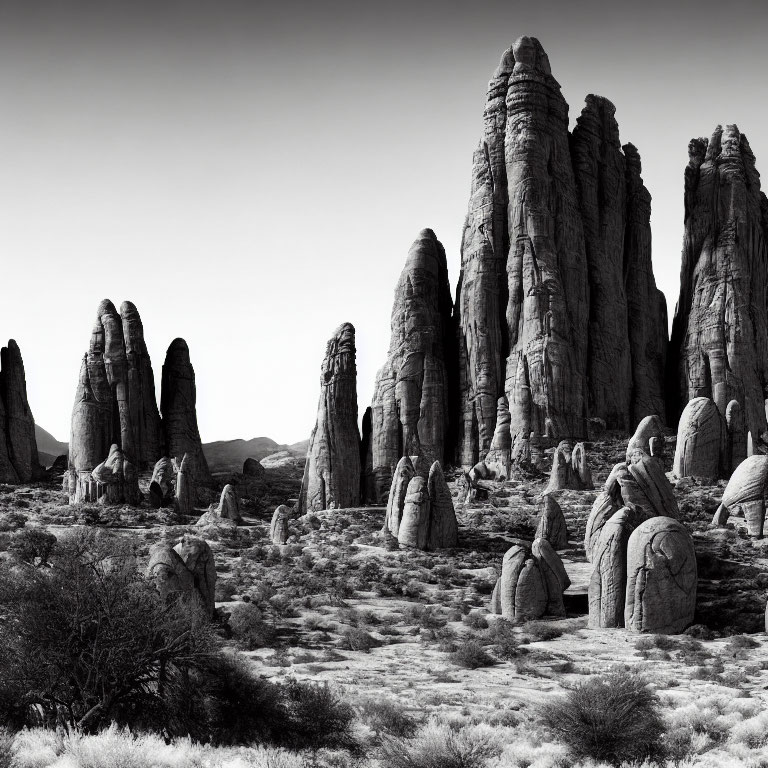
(551, 525)
(410, 409)
(531, 584)
(745, 492)
(404, 473)
(661, 577)
(171, 576)
(570, 469)
(229, 505)
(114, 481)
(178, 398)
(499, 458)
(556, 235)
(428, 519)
(648, 438)
(719, 344)
(161, 487)
(278, 528)
(252, 468)
(332, 471)
(702, 442)
(198, 558)
(186, 492)
(115, 400)
(607, 586)
(19, 462)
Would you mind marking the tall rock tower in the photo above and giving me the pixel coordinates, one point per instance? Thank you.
(410, 409)
(332, 471)
(556, 234)
(719, 344)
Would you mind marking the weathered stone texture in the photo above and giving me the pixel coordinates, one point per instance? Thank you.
(115, 400)
(278, 528)
(19, 461)
(661, 577)
(702, 441)
(332, 471)
(551, 525)
(719, 344)
(178, 399)
(229, 504)
(410, 409)
(570, 469)
(198, 558)
(161, 486)
(746, 491)
(556, 236)
(186, 490)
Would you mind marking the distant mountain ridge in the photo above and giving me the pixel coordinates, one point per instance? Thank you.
(222, 455)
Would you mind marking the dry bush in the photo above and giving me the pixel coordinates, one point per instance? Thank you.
(388, 717)
(613, 717)
(471, 655)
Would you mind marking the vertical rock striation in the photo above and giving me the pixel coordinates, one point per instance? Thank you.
(19, 461)
(410, 402)
(178, 400)
(115, 400)
(719, 344)
(332, 471)
(556, 304)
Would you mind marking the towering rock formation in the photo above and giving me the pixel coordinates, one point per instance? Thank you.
(18, 448)
(115, 400)
(410, 401)
(719, 344)
(556, 235)
(178, 400)
(332, 471)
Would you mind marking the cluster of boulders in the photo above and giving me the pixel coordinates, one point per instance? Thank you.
(644, 564)
(117, 429)
(532, 582)
(420, 511)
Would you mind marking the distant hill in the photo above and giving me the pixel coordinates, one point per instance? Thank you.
(48, 444)
(229, 455)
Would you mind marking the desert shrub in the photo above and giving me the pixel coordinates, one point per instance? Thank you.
(32, 545)
(502, 635)
(438, 746)
(356, 639)
(738, 642)
(613, 718)
(700, 632)
(249, 628)
(541, 630)
(471, 655)
(388, 717)
(89, 639)
(315, 717)
(6, 739)
(476, 620)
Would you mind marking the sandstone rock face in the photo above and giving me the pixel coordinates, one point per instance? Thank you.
(607, 587)
(178, 406)
(719, 344)
(19, 461)
(531, 584)
(404, 473)
(278, 528)
(746, 491)
(443, 528)
(114, 481)
(736, 436)
(645, 485)
(428, 520)
(556, 235)
(115, 400)
(499, 458)
(332, 472)
(648, 438)
(701, 441)
(569, 469)
(186, 492)
(171, 576)
(410, 402)
(229, 504)
(552, 526)
(198, 558)
(161, 488)
(661, 577)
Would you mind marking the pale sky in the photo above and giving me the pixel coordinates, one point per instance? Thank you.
(251, 176)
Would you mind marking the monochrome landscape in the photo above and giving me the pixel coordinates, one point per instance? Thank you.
(539, 542)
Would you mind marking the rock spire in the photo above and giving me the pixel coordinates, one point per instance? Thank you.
(332, 471)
